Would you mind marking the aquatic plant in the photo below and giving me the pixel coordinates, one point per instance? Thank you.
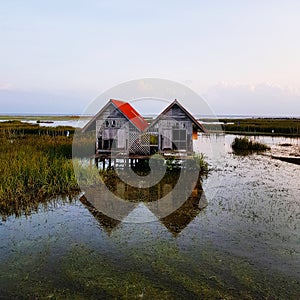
(246, 144)
(199, 159)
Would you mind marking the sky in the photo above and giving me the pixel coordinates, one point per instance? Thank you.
(242, 57)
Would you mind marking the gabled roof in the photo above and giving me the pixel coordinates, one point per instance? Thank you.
(126, 109)
(131, 114)
(175, 102)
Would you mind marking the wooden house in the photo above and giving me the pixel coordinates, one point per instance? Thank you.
(119, 129)
(174, 130)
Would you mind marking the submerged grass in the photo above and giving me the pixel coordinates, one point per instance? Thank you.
(153, 271)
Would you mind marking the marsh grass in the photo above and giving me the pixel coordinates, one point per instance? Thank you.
(16, 128)
(33, 169)
(266, 126)
(246, 144)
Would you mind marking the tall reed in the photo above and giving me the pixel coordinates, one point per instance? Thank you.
(34, 168)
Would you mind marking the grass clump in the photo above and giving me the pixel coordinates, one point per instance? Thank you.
(248, 145)
(33, 169)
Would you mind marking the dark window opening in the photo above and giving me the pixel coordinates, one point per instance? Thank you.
(107, 144)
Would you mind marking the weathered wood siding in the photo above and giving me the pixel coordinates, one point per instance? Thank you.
(111, 130)
(174, 130)
(115, 132)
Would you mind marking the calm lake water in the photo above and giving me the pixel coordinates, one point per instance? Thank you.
(244, 245)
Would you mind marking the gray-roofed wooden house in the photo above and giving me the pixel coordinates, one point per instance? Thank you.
(174, 130)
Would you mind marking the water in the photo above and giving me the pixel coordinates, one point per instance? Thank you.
(244, 245)
(72, 123)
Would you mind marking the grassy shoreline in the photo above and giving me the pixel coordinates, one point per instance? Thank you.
(43, 118)
(289, 127)
(258, 126)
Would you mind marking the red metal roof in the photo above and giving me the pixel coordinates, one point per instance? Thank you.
(131, 114)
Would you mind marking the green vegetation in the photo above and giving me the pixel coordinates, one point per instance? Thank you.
(149, 270)
(264, 126)
(256, 126)
(18, 129)
(33, 169)
(35, 165)
(245, 144)
(42, 118)
(197, 160)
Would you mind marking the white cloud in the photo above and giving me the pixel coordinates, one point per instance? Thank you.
(5, 86)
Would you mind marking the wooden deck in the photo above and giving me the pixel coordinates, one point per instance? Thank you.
(180, 155)
(107, 159)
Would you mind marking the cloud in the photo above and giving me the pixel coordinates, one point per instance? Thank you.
(5, 86)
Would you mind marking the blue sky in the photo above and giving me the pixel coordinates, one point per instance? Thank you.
(243, 57)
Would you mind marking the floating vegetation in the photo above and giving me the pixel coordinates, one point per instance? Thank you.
(246, 144)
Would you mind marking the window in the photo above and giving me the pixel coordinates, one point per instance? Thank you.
(179, 138)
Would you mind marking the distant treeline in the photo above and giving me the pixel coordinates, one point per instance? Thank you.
(268, 126)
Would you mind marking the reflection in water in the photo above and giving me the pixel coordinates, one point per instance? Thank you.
(107, 223)
(25, 208)
(99, 199)
(180, 218)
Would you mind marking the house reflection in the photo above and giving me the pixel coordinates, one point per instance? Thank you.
(107, 223)
(183, 216)
(109, 208)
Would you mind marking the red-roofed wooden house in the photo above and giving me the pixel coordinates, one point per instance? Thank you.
(119, 129)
